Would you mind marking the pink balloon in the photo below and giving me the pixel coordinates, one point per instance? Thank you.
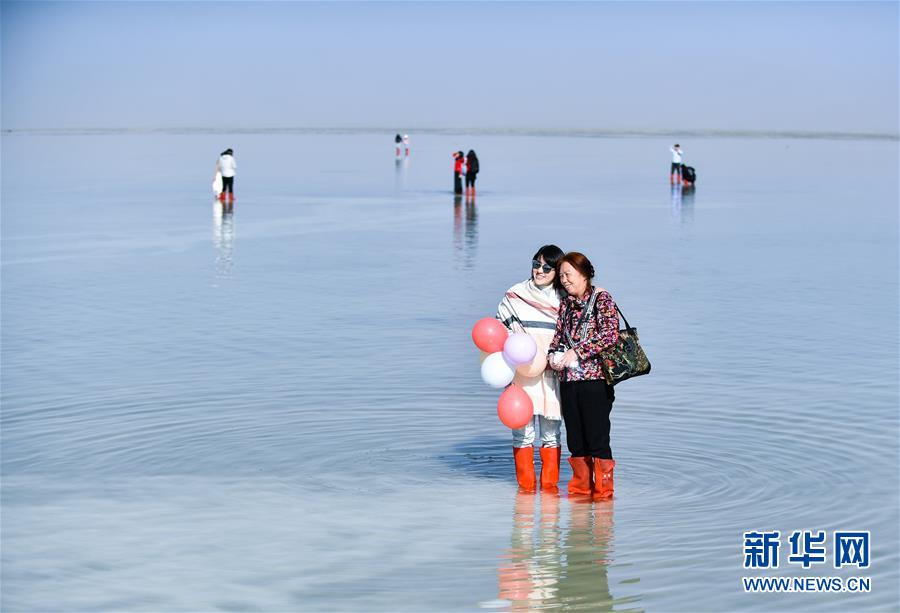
(515, 408)
(519, 348)
(489, 335)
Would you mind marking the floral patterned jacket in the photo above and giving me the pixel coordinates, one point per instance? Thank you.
(602, 332)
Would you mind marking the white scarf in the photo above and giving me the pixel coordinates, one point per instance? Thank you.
(533, 310)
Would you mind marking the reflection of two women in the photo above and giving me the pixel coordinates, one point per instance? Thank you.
(549, 565)
(465, 228)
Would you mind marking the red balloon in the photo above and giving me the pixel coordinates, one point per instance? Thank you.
(515, 408)
(489, 335)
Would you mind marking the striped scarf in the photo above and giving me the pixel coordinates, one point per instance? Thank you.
(530, 309)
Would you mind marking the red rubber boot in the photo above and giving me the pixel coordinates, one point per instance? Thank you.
(580, 484)
(550, 469)
(524, 457)
(603, 479)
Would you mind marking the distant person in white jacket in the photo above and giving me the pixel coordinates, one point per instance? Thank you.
(226, 165)
(677, 159)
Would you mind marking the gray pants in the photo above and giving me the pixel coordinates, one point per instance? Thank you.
(525, 436)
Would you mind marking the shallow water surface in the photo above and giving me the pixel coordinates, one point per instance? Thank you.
(280, 408)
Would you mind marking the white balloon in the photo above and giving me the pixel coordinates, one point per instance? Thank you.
(496, 372)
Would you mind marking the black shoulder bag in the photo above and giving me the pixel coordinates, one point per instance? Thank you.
(626, 358)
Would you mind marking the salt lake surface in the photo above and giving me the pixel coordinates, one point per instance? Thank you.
(280, 409)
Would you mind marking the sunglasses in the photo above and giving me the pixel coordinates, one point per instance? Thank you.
(545, 267)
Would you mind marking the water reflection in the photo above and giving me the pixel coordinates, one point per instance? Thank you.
(465, 230)
(549, 566)
(587, 545)
(400, 168)
(682, 203)
(223, 238)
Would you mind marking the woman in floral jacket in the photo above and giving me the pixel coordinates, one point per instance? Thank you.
(588, 324)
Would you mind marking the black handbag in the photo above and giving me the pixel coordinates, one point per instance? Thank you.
(625, 359)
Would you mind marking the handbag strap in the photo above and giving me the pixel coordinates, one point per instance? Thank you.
(627, 325)
(622, 315)
(582, 321)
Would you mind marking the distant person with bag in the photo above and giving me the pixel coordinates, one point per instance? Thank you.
(532, 307)
(588, 324)
(471, 172)
(677, 160)
(226, 165)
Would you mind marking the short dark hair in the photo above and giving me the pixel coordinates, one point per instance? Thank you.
(550, 253)
(579, 262)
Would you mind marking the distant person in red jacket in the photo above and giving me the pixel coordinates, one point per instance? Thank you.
(459, 161)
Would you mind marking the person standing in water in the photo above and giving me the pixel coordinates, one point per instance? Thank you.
(398, 147)
(226, 165)
(471, 172)
(406, 144)
(532, 307)
(677, 159)
(458, 162)
(587, 325)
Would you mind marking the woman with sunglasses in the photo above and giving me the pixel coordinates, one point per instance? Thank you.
(531, 307)
(588, 324)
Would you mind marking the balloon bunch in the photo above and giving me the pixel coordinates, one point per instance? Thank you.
(504, 353)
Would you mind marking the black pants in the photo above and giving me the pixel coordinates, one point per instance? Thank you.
(228, 185)
(457, 183)
(675, 169)
(470, 179)
(586, 406)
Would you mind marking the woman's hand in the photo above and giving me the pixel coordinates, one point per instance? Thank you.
(568, 358)
(554, 362)
(558, 362)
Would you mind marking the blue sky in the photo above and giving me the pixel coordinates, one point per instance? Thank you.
(644, 66)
